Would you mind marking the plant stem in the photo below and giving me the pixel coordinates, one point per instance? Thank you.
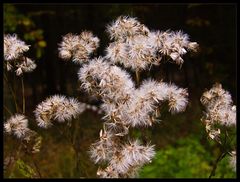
(66, 137)
(137, 73)
(223, 153)
(23, 96)
(36, 167)
(220, 157)
(7, 110)
(12, 92)
(71, 141)
(15, 158)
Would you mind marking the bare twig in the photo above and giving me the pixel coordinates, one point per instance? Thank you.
(12, 92)
(36, 166)
(23, 96)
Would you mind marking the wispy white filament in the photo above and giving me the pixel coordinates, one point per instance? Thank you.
(111, 82)
(78, 47)
(13, 55)
(16, 125)
(13, 47)
(136, 47)
(57, 108)
(219, 106)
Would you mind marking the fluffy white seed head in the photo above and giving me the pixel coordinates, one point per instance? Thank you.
(103, 149)
(78, 47)
(16, 125)
(177, 99)
(117, 52)
(27, 65)
(57, 108)
(108, 172)
(13, 47)
(68, 109)
(131, 155)
(141, 53)
(110, 82)
(138, 154)
(126, 27)
(180, 38)
(145, 100)
(13, 55)
(193, 46)
(136, 47)
(219, 107)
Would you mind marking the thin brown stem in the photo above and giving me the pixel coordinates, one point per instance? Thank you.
(16, 155)
(220, 157)
(215, 165)
(222, 154)
(65, 136)
(36, 166)
(23, 96)
(12, 92)
(137, 73)
(72, 140)
(9, 112)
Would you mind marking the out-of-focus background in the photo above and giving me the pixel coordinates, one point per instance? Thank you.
(183, 150)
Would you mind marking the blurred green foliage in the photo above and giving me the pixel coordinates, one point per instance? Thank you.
(24, 169)
(187, 159)
(24, 26)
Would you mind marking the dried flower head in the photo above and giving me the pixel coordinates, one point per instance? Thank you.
(125, 27)
(78, 47)
(16, 125)
(107, 81)
(146, 100)
(57, 108)
(138, 48)
(103, 149)
(219, 110)
(27, 65)
(126, 159)
(13, 47)
(13, 55)
(219, 107)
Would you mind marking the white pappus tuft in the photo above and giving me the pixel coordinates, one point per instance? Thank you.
(13, 55)
(13, 47)
(132, 155)
(78, 47)
(103, 149)
(57, 108)
(16, 125)
(150, 95)
(109, 82)
(27, 65)
(219, 107)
